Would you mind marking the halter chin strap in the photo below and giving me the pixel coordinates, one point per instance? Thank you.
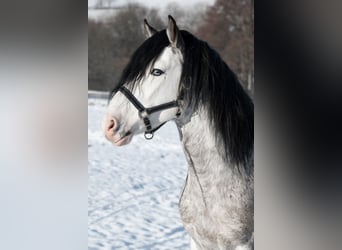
(144, 113)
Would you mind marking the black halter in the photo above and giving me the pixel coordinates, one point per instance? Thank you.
(144, 113)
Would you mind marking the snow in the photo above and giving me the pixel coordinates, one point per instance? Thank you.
(133, 191)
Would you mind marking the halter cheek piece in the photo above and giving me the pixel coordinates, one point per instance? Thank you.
(144, 113)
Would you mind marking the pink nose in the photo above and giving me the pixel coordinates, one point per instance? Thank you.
(111, 126)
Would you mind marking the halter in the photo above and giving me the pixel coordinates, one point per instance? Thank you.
(144, 113)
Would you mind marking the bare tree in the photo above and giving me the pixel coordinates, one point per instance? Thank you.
(229, 28)
(188, 19)
(126, 28)
(112, 42)
(100, 60)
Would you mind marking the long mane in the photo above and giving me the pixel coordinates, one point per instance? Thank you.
(206, 82)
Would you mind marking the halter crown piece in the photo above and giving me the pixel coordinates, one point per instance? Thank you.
(144, 113)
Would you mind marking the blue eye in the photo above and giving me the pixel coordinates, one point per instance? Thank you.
(157, 72)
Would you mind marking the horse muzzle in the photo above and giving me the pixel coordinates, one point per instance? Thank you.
(114, 133)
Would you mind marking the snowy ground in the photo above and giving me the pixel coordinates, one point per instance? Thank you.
(134, 190)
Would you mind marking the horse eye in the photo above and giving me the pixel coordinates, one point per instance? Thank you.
(157, 72)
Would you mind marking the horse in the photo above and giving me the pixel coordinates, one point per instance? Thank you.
(174, 76)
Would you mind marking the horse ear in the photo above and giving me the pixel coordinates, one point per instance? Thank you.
(148, 29)
(174, 34)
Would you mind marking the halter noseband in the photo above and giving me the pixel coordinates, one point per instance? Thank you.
(144, 113)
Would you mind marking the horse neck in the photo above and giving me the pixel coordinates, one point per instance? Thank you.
(210, 177)
(200, 146)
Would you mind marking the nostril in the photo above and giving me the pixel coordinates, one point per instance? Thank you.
(113, 125)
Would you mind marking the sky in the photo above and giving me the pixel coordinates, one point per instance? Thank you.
(158, 3)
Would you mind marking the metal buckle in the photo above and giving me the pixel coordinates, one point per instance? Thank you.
(178, 113)
(143, 114)
(148, 135)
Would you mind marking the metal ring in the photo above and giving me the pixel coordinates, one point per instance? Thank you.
(148, 135)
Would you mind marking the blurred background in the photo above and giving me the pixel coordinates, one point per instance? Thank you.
(43, 128)
(115, 30)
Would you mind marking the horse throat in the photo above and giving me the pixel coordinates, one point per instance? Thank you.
(199, 143)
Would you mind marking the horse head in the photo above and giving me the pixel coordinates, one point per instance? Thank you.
(147, 95)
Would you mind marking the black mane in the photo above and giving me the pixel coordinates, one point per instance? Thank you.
(207, 82)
